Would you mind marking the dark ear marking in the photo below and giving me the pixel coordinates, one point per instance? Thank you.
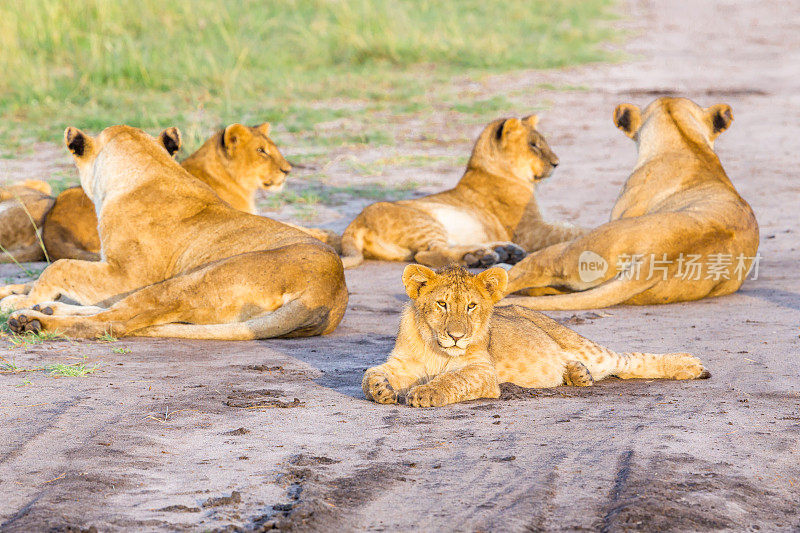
(721, 122)
(624, 120)
(171, 139)
(498, 135)
(77, 145)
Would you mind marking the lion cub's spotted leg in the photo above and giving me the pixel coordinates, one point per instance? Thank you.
(386, 383)
(473, 381)
(577, 375)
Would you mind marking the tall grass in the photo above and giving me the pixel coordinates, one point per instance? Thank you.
(152, 63)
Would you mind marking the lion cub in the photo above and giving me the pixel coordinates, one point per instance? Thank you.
(235, 162)
(491, 215)
(22, 210)
(454, 345)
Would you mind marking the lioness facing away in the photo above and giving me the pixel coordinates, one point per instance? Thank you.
(235, 162)
(453, 346)
(22, 210)
(491, 215)
(679, 230)
(177, 260)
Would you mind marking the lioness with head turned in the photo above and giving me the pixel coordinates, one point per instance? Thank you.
(236, 161)
(22, 210)
(678, 207)
(454, 345)
(177, 261)
(490, 216)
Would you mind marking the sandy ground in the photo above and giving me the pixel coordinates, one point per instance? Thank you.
(253, 435)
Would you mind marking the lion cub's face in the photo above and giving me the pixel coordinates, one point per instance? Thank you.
(514, 146)
(452, 306)
(252, 158)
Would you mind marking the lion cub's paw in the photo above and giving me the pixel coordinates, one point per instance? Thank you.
(426, 396)
(481, 258)
(376, 387)
(510, 253)
(577, 375)
(687, 366)
(20, 322)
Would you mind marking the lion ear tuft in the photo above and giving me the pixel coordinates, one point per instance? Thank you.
(415, 277)
(531, 121)
(171, 140)
(495, 280)
(263, 129)
(628, 118)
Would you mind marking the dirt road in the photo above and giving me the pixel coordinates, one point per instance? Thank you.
(251, 435)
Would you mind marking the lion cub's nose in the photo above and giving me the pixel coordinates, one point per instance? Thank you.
(456, 335)
(554, 162)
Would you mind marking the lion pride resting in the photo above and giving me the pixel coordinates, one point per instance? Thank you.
(453, 346)
(474, 223)
(678, 204)
(235, 162)
(177, 260)
(23, 207)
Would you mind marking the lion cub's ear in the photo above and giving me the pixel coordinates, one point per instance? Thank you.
(415, 277)
(80, 144)
(719, 118)
(171, 140)
(233, 135)
(495, 279)
(628, 118)
(509, 128)
(531, 121)
(263, 129)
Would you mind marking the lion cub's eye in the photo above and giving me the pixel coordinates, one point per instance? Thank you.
(470, 307)
(261, 151)
(442, 304)
(533, 144)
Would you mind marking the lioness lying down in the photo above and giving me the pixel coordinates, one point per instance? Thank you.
(490, 216)
(679, 230)
(235, 162)
(22, 210)
(177, 260)
(453, 345)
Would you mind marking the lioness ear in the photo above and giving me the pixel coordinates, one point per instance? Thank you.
(170, 138)
(415, 277)
(263, 128)
(628, 118)
(496, 280)
(77, 142)
(719, 117)
(531, 121)
(232, 135)
(507, 128)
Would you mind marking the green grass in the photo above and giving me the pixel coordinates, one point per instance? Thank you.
(75, 370)
(303, 201)
(297, 63)
(107, 336)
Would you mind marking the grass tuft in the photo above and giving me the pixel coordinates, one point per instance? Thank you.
(75, 370)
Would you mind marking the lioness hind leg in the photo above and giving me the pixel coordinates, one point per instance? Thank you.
(577, 375)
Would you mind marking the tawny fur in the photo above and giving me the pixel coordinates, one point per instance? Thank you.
(23, 207)
(454, 345)
(491, 215)
(677, 202)
(235, 162)
(177, 260)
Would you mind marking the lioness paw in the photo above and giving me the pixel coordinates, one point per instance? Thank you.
(426, 396)
(510, 253)
(687, 366)
(23, 322)
(376, 387)
(481, 258)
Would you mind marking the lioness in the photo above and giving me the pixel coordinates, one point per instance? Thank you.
(679, 230)
(236, 161)
(453, 345)
(22, 209)
(177, 260)
(477, 223)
